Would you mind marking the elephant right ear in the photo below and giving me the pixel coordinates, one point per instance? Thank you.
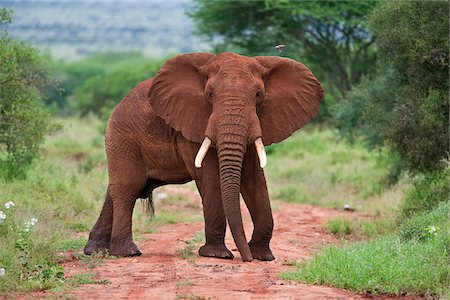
(177, 95)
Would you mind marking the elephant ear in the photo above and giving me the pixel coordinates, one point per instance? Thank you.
(292, 98)
(177, 95)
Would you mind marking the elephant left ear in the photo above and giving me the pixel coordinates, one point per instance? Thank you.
(292, 98)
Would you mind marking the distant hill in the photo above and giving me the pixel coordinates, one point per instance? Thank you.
(74, 29)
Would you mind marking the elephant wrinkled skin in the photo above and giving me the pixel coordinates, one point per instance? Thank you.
(232, 105)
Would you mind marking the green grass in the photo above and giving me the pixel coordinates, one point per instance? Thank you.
(72, 244)
(339, 226)
(359, 229)
(314, 167)
(187, 252)
(185, 282)
(86, 278)
(413, 261)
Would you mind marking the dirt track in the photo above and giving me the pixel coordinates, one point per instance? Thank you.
(160, 273)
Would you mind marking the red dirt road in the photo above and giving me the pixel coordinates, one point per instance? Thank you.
(160, 273)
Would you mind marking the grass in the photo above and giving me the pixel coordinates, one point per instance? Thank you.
(87, 278)
(339, 226)
(72, 244)
(356, 229)
(185, 282)
(313, 167)
(415, 260)
(187, 252)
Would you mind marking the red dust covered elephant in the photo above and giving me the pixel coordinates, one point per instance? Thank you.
(204, 117)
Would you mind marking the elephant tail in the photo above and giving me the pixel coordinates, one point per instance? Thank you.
(148, 205)
(146, 195)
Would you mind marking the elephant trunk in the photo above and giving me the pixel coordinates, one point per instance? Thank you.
(231, 143)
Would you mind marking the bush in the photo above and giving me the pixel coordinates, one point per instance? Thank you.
(99, 94)
(427, 192)
(71, 75)
(404, 105)
(24, 121)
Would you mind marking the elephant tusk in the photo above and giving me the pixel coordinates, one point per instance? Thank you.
(202, 152)
(261, 152)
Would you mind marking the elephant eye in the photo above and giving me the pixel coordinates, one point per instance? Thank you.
(210, 94)
(258, 94)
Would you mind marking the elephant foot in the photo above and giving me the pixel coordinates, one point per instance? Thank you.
(127, 248)
(212, 250)
(261, 251)
(99, 246)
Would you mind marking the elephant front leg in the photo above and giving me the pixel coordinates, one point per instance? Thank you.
(100, 235)
(215, 222)
(256, 197)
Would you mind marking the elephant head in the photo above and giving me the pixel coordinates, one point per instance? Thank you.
(231, 102)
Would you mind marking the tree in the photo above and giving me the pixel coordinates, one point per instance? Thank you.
(24, 121)
(330, 36)
(404, 105)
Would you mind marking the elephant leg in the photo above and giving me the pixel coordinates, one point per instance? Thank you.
(122, 243)
(100, 235)
(127, 180)
(215, 221)
(256, 197)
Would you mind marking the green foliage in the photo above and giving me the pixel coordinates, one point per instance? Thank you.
(404, 105)
(331, 37)
(24, 121)
(394, 264)
(99, 94)
(427, 192)
(73, 78)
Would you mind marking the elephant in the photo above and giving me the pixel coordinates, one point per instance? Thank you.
(204, 117)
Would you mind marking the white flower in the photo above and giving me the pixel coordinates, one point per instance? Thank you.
(33, 221)
(2, 216)
(9, 204)
(2, 272)
(432, 230)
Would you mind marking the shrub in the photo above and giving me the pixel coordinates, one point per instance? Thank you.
(99, 94)
(427, 192)
(404, 105)
(24, 121)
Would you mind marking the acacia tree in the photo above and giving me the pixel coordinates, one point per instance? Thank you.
(330, 36)
(24, 120)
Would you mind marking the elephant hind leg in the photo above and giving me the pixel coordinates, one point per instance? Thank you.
(100, 235)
